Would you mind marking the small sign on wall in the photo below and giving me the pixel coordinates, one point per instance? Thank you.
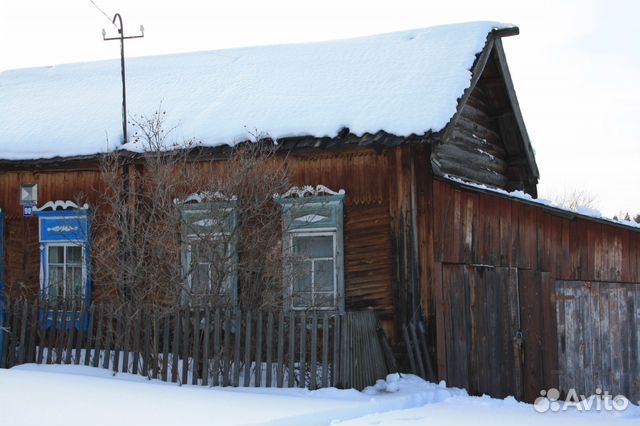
(27, 211)
(28, 194)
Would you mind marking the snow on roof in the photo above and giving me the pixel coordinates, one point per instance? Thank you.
(403, 83)
(582, 211)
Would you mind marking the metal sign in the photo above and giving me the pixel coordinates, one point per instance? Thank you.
(28, 194)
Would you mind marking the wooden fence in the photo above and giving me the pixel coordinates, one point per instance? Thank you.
(207, 346)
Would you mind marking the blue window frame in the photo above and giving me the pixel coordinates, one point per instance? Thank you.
(64, 253)
(313, 248)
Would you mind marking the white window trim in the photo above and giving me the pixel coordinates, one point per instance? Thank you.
(47, 271)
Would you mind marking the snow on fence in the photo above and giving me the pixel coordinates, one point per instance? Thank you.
(206, 346)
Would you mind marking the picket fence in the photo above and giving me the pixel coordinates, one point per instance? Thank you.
(206, 346)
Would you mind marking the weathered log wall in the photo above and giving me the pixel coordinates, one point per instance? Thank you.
(363, 174)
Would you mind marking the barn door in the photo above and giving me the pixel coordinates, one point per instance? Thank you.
(599, 337)
(481, 305)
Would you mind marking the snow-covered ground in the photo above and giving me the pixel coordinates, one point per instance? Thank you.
(76, 395)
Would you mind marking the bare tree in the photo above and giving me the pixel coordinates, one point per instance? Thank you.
(175, 225)
(574, 198)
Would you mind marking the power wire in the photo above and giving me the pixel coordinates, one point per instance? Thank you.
(103, 12)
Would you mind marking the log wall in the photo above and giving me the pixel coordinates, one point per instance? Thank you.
(363, 174)
(22, 258)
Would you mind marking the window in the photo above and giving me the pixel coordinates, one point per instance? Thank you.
(313, 248)
(209, 255)
(64, 252)
(65, 266)
(314, 271)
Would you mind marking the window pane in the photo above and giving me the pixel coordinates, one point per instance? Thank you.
(301, 300)
(74, 282)
(74, 254)
(324, 300)
(200, 278)
(302, 276)
(56, 254)
(56, 283)
(313, 247)
(323, 275)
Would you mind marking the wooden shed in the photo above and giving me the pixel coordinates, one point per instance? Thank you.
(513, 292)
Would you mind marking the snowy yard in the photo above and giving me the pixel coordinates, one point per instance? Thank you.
(76, 395)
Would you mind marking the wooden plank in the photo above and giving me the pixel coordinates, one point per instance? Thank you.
(98, 342)
(217, 347)
(186, 334)
(109, 338)
(33, 328)
(325, 350)
(258, 364)
(147, 321)
(247, 349)
(441, 319)
(269, 350)
(14, 335)
(51, 331)
(415, 345)
(80, 342)
(292, 348)
(154, 341)
(90, 328)
(303, 349)
(125, 338)
(313, 367)
(70, 334)
(335, 365)
(205, 346)
(136, 340)
(236, 350)
(23, 332)
(118, 347)
(280, 351)
(195, 375)
(345, 353)
(515, 332)
(407, 343)
(428, 366)
(550, 337)
(175, 347)
(531, 317)
(226, 349)
(42, 335)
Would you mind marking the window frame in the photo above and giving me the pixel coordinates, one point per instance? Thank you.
(316, 214)
(194, 212)
(65, 265)
(71, 229)
(318, 232)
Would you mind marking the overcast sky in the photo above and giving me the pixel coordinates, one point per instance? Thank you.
(576, 64)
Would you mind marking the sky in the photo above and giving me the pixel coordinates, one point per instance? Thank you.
(575, 64)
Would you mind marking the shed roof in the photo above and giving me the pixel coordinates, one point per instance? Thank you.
(403, 84)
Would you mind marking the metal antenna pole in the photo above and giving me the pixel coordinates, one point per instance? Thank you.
(122, 38)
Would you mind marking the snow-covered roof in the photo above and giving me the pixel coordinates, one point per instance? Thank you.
(403, 83)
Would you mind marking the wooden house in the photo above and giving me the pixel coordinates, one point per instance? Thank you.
(421, 141)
